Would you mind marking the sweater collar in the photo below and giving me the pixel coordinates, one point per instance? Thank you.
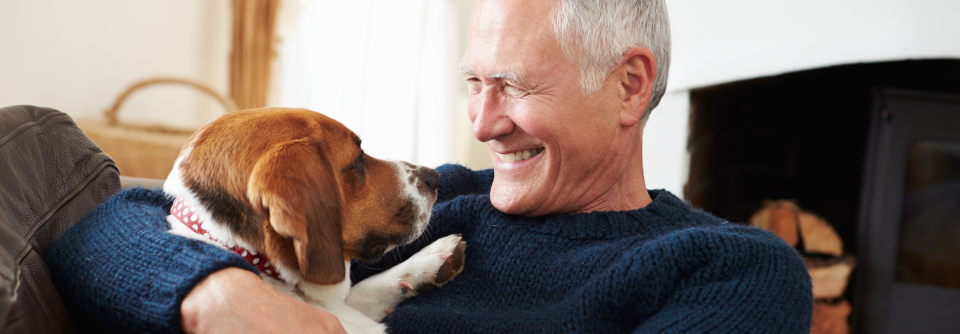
(189, 218)
(665, 213)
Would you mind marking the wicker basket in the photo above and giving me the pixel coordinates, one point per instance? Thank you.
(143, 150)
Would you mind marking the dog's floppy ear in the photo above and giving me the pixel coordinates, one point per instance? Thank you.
(294, 187)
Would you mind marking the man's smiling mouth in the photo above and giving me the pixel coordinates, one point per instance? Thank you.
(519, 155)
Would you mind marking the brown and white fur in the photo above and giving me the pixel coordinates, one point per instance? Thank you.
(296, 186)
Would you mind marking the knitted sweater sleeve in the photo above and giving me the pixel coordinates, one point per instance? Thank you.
(740, 280)
(118, 270)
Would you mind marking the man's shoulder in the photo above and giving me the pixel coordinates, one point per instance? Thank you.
(735, 233)
(459, 172)
(689, 223)
(456, 180)
(729, 249)
(674, 214)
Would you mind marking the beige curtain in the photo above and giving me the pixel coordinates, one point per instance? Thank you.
(253, 51)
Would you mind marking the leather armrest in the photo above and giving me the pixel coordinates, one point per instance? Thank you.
(51, 175)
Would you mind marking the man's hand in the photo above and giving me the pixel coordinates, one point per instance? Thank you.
(234, 300)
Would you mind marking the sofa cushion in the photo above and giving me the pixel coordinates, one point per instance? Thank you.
(51, 175)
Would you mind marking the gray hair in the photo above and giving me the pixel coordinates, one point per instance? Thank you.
(596, 33)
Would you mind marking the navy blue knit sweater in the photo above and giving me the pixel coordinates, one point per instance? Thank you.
(662, 268)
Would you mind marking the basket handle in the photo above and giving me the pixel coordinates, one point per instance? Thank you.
(111, 113)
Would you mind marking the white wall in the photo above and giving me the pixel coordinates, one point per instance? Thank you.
(722, 41)
(77, 56)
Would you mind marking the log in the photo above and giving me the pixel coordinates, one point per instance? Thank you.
(828, 267)
(779, 217)
(830, 317)
(829, 276)
(818, 236)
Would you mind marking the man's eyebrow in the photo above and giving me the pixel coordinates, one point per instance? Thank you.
(465, 70)
(505, 75)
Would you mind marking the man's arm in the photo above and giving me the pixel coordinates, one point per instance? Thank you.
(741, 281)
(118, 270)
(234, 300)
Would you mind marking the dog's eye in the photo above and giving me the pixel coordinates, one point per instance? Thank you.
(361, 161)
(360, 165)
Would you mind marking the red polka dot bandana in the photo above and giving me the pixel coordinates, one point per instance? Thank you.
(185, 215)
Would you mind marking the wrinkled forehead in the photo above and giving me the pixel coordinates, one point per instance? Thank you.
(511, 36)
(523, 14)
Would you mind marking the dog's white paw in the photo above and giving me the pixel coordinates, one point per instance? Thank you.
(428, 269)
(433, 266)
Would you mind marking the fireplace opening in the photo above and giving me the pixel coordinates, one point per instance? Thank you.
(868, 147)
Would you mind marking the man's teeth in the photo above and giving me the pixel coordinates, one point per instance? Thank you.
(520, 155)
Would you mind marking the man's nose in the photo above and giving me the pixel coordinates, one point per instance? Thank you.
(489, 116)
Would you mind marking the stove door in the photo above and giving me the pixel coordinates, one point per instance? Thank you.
(910, 230)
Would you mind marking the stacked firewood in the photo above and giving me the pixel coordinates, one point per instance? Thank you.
(823, 255)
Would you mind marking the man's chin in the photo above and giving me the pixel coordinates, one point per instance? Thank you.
(512, 200)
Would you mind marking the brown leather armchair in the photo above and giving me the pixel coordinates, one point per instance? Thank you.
(51, 175)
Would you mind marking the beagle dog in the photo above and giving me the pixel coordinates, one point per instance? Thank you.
(292, 192)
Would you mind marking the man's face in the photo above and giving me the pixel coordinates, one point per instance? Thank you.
(554, 150)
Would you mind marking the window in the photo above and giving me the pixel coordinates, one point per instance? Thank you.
(385, 69)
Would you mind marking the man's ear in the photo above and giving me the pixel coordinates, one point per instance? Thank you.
(636, 73)
(294, 186)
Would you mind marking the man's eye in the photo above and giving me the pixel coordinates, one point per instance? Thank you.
(514, 90)
(473, 84)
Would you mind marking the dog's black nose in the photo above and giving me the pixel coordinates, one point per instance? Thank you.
(429, 177)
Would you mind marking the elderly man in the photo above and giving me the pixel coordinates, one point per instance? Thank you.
(563, 235)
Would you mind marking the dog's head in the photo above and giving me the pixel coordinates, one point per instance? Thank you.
(297, 185)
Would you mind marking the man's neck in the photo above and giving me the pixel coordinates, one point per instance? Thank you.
(628, 191)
